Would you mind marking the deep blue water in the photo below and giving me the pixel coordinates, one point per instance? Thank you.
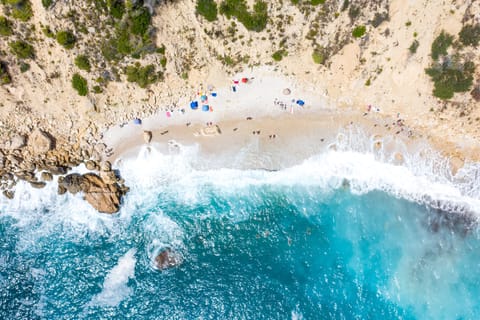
(252, 251)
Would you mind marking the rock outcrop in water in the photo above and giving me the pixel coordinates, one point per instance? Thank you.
(167, 258)
(104, 197)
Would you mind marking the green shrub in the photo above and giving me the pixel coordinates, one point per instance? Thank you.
(359, 31)
(279, 54)
(4, 75)
(140, 21)
(143, 76)
(470, 35)
(66, 39)
(207, 9)
(79, 83)
(22, 49)
(5, 26)
(48, 32)
(97, 89)
(47, 3)
(441, 44)
(317, 2)
(116, 8)
(450, 77)
(83, 63)
(24, 67)
(414, 46)
(318, 57)
(21, 9)
(163, 62)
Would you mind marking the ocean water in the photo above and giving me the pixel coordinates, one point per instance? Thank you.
(341, 235)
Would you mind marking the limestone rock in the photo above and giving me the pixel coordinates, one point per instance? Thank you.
(106, 166)
(90, 165)
(8, 194)
(147, 136)
(41, 142)
(17, 142)
(103, 197)
(46, 176)
(108, 177)
(167, 258)
(38, 184)
(57, 170)
(72, 182)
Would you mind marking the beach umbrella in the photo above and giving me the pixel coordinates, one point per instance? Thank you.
(244, 80)
(300, 102)
(286, 91)
(203, 98)
(194, 105)
(137, 121)
(214, 94)
(205, 107)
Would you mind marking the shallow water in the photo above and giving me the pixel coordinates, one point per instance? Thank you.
(299, 243)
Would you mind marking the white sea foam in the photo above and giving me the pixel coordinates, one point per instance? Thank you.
(115, 286)
(424, 176)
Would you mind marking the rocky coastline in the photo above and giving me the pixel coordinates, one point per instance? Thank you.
(38, 159)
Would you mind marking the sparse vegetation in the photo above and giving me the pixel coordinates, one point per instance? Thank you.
(279, 54)
(79, 83)
(22, 49)
(83, 63)
(66, 39)
(47, 3)
(116, 8)
(24, 67)
(4, 75)
(207, 9)
(379, 18)
(359, 31)
(414, 46)
(21, 9)
(5, 26)
(143, 76)
(441, 44)
(470, 35)
(256, 21)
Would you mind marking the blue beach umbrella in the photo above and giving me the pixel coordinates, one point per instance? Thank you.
(300, 102)
(205, 107)
(214, 94)
(137, 121)
(203, 98)
(194, 105)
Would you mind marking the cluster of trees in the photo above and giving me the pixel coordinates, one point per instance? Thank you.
(253, 21)
(452, 72)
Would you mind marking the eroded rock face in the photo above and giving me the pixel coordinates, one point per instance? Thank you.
(41, 142)
(104, 197)
(167, 258)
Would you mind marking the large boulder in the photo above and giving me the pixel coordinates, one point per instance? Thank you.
(41, 142)
(167, 258)
(102, 196)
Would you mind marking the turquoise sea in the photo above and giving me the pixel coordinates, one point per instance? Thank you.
(341, 235)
